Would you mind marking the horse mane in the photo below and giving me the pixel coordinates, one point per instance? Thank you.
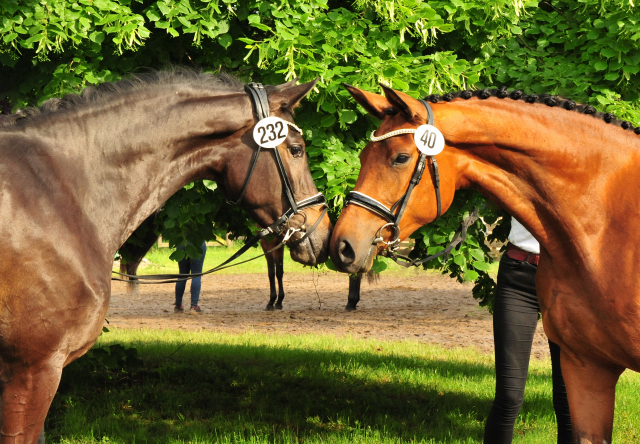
(92, 95)
(547, 99)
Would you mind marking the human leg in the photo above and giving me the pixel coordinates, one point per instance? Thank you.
(196, 283)
(184, 267)
(514, 321)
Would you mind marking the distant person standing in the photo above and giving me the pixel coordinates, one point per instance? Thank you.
(190, 266)
(515, 317)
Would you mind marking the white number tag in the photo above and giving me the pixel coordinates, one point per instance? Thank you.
(270, 132)
(429, 139)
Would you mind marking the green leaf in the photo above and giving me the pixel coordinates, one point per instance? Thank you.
(153, 15)
(389, 71)
(327, 120)
(10, 37)
(471, 275)
(612, 76)
(177, 255)
(347, 116)
(378, 265)
(460, 261)
(97, 37)
(225, 40)
(479, 265)
(210, 184)
(608, 52)
(600, 65)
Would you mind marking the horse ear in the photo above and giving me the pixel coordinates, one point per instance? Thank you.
(374, 104)
(398, 102)
(289, 84)
(289, 96)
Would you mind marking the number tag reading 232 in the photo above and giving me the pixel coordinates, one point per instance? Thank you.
(270, 132)
(429, 140)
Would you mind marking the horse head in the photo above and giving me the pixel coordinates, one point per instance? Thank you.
(266, 195)
(387, 168)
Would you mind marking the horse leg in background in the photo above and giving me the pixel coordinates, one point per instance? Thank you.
(136, 248)
(591, 404)
(354, 291)
(279, 260)
(132, 269)
(273, 259)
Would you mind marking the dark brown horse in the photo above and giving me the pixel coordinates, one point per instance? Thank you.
(568, 174)
(80, 174)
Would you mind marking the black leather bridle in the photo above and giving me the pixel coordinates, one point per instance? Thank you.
(280, 227)
(392, 218)
(261, 105)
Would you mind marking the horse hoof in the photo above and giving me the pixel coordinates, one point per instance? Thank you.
(279, 306)
(269, 308)
(349, 308)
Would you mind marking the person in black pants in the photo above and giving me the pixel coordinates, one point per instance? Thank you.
(515, 316)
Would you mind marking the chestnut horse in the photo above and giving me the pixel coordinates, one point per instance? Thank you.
(568, 174)
(81, 173)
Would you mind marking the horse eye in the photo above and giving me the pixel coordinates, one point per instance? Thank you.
(401, 158)
(296, 150)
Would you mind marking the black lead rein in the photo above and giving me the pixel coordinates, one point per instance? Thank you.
(261, 103)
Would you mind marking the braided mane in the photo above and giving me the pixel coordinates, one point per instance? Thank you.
(547, 99)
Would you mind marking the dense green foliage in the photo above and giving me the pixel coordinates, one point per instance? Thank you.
(586, 49)
(204, 387)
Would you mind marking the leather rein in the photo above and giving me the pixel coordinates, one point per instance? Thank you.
(393, 218)
(280, 227)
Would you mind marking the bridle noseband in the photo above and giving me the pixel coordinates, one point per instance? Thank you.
(393, 219)
(261, 105)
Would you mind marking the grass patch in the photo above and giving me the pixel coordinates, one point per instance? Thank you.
(256, 388)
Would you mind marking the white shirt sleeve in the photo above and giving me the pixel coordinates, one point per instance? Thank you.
(521, 238)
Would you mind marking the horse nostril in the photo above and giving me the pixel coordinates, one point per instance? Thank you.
(346, 253)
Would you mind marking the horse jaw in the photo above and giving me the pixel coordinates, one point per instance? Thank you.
(313, 250)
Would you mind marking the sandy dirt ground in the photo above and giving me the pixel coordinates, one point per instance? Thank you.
(424, 307)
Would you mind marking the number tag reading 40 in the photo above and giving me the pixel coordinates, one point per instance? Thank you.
(429, 140)
(270, 132)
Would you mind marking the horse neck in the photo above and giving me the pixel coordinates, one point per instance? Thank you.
(556, 171)
(126, 158)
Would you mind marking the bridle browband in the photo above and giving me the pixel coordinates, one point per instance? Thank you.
(260, 102)
(393, 219)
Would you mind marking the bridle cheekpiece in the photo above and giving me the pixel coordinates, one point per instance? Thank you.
(389, 214)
